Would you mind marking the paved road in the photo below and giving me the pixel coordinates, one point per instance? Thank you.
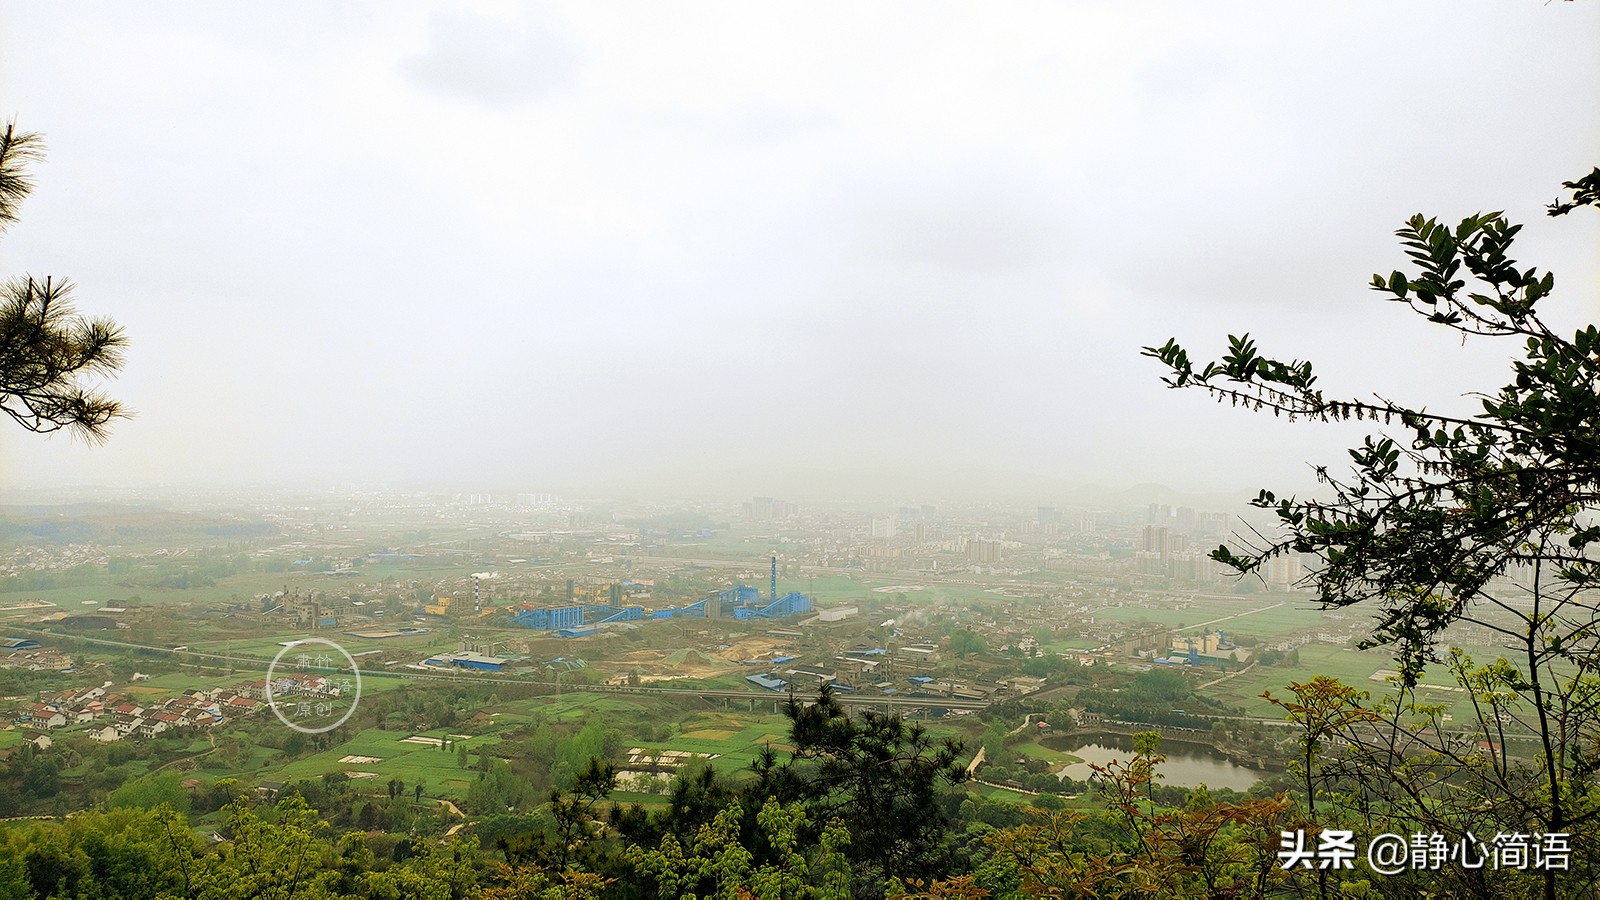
(847, 699)
(1225, 677)
(182, 759)
(27, 818)
(1248, 612)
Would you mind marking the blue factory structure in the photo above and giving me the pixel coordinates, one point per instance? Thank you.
(463, 659)
(556, 618)
(740, 603)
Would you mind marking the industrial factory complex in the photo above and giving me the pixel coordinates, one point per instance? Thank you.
(576, 619)
(740, 603)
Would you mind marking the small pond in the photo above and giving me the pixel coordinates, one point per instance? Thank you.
(1188, 764)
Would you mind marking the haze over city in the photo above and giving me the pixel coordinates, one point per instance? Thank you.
(900, 251)
(497, 450)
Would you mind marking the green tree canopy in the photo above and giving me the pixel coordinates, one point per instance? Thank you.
(880, 775)
(48, 353)
(1487, 519)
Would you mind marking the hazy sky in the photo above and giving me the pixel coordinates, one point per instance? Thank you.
(757, 248)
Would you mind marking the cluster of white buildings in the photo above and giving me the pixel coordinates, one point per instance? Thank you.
(51, 558)
(112, 717)
(37, 661)
(319, 687)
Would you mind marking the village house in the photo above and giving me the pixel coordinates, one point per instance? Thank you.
(171, 719)
(106, 735)
(39, 715)
(149, 727)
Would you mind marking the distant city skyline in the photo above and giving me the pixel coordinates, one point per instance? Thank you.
(901, 252)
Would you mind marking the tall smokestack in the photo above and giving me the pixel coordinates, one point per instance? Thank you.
(774, 598)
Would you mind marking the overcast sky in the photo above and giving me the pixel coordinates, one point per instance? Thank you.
(805, 249)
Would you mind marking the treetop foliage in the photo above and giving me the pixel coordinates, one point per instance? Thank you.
(1423, 524)
(1488, 520)
(47, 350)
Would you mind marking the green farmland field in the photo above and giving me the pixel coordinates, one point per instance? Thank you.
(1353, 667)
(408, 761)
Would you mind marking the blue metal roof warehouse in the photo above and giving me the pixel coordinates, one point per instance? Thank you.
(767, 681)
(465, 660)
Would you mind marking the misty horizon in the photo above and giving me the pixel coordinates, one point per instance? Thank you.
(734, 252)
